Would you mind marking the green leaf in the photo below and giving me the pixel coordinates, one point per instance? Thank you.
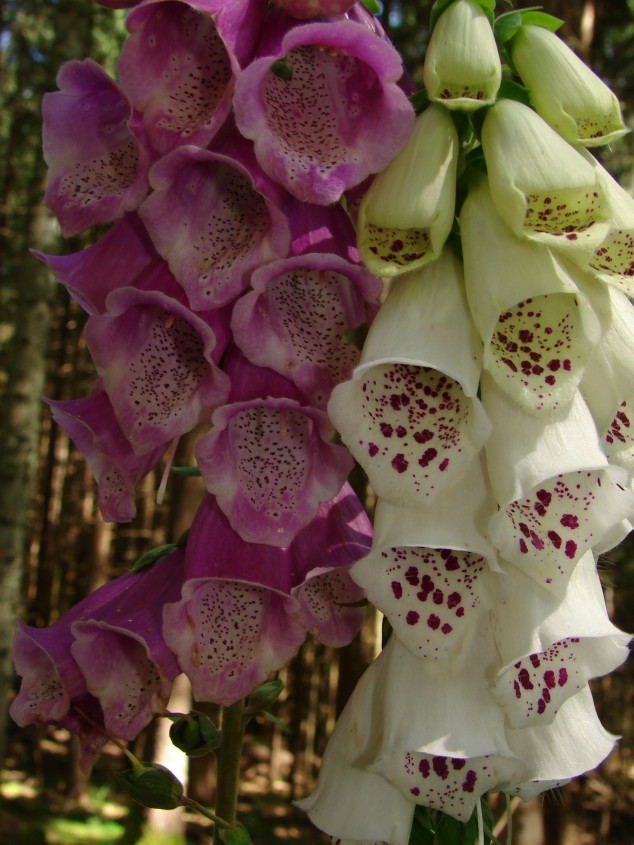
(535, 17)
(488, 823)
(449, 831)
(506, 26)
(371, 6)
(195, 734)
(151, 557)
(193, 471)
(151, 785)
(237, 835)
(422, 832)
(264, 696)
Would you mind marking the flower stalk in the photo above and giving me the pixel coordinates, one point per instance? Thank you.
(228, 774)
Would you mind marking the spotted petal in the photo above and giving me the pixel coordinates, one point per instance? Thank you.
(542, 187)
(348, 117)
(156, 359)
(557, 495)
(270, 464)
(538, 329)
(96, 169)
(270, 323)
(214, 220)
(613, 259)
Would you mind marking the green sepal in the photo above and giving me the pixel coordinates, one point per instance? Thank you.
(150, 558)
(509, 24)
(264, 696)
(237, 835)
(419, 100)
(187, 471)
(487, 6)
(449, 831)
(359, 603)
(535, 17)
(195, 734)
(281, 68)
(371, 6)
(511, 90)
(151, 785)
(182, 540)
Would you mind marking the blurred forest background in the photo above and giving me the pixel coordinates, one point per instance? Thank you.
(54, 548)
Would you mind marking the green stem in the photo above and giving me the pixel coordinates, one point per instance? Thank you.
(229, 754)
(194, 805)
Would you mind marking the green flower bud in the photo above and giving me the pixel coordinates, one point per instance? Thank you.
(195, 734)
(151, 785)
(264, 696)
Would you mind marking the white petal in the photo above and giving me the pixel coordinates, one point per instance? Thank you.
(433, 297)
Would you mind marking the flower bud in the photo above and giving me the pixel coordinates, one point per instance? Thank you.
(151, 785)
(195, 734)
(564, 91)
(462, 66)
(407, 214)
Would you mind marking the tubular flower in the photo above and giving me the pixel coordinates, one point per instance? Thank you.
(557, 494)
(214, 218)
(613, 259)
(106, 657)
(579, 106)
(462, 67)
(178, 66)
(92, 426)
(270, 326)
(546, 190)
(348, 117)
(245, 609)
(409, 415)
(538, 329)
(408, 211)
(97, 170)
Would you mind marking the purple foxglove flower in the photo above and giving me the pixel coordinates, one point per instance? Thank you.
(105, 656)
(308, 9)
(538, 329)
(123, 257)
(157, 361)
(431, 571)
(432, 730)
(296, 316)
(557, 494)
(324, 229)
(542, 187)
(246, 608)
(214, 218)
(92, 426)
(462, 65)
(407, 213)
(410, 415)
(552, 647)
(178, 66)
(333, 118)
(270, 463)
(96, 169)
(579, 105)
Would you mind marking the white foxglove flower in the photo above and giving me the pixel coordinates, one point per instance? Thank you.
(557, 494)
(462, 66)
(408, 211)
(432, 730)
(541, 186)
(553, 648)
(431, 571)
(409, 415)
(608, 380)
(574, 743)
(538, 330)
(613, 259)
(564, 91)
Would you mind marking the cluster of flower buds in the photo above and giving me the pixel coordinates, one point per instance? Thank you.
(491, 411)
(225, 295)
